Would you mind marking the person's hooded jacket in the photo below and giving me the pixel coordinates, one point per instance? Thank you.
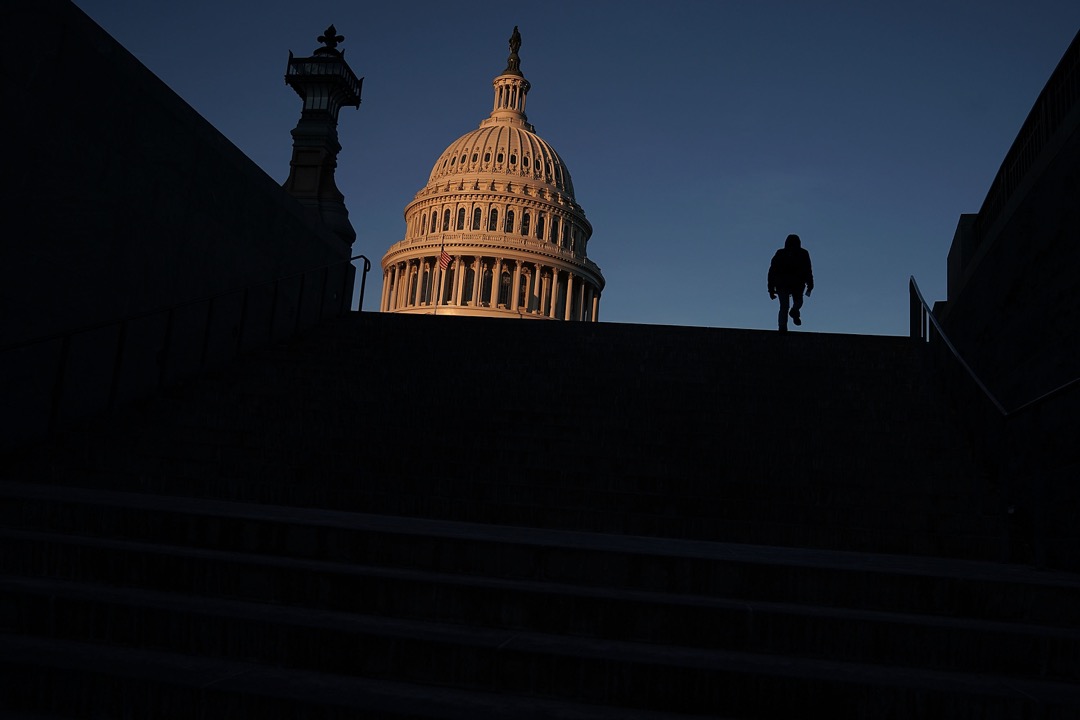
(790, 268)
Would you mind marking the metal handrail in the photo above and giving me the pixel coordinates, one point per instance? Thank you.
(363, 280)
(921, 313)
(57, 393)
(209, 298)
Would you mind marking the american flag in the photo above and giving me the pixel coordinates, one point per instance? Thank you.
(444, 260)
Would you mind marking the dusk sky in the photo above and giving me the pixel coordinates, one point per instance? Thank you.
(698, 133)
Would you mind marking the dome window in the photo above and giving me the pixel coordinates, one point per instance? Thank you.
(499, 158)
(476, 219)
(536, 166)
(446, 221)
(461, 219)
(453, 160)
(525, 223)
(493, 220)
(540, 226)
(485, 286)
(463, 156)
(509, 221)
(487, 157)
(467, 286)
(513, 159)
(425, 288)
(434, 220)
(475, 156)
(504, 290)
(523, 293)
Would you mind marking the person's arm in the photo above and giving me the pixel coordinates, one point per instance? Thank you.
(809, 276)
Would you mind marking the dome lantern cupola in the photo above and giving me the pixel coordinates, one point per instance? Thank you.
(496, 231)
(511, 88)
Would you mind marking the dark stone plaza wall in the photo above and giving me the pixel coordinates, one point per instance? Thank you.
(120, 201)
(1013, 307)
(1013, 313)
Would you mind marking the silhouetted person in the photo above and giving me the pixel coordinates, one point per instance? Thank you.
(789, 273)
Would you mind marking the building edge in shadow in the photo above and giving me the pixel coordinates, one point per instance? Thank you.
(1013, 314)
(142, 246)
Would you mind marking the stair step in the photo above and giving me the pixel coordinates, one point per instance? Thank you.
(891, 583)
(620, 675)
(862, 515)
(356, 597)
(74, 679)
(556, 520)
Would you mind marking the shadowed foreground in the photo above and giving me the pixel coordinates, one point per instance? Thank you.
(455, 517)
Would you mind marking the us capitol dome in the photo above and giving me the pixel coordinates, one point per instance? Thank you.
(496, 231)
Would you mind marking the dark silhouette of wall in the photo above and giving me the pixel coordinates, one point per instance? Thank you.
(1013, 312)
(1013, 309)
(125, 203)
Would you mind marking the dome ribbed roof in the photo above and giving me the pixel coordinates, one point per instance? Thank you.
(505, 148)
(505, 152)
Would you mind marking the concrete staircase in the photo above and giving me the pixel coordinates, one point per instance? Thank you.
(454, 517)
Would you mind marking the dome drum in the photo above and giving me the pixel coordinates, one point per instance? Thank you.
(545, 224)
(529, 287)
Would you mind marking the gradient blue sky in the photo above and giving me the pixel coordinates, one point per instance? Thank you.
(698, 133)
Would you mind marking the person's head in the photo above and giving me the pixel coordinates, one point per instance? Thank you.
(792, 241)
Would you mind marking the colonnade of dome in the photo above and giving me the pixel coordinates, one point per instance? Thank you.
(496, 231)
(524, 287)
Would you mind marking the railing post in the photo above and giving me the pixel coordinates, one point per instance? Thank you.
(58, 383)
(166, 348)
(242, 325)
(273, 311)
(206, 334)
(118, 362)
(915, 313)
(322, 290)
(363, 283)
(346, 301)
(299, 305)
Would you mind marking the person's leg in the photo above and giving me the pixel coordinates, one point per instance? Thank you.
(796, 306)
(785, 299)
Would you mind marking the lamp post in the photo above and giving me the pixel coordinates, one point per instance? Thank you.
(326, 83)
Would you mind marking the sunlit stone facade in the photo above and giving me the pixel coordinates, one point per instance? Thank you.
(496, 231)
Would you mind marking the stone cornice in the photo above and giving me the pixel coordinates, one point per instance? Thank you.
(526, 250)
